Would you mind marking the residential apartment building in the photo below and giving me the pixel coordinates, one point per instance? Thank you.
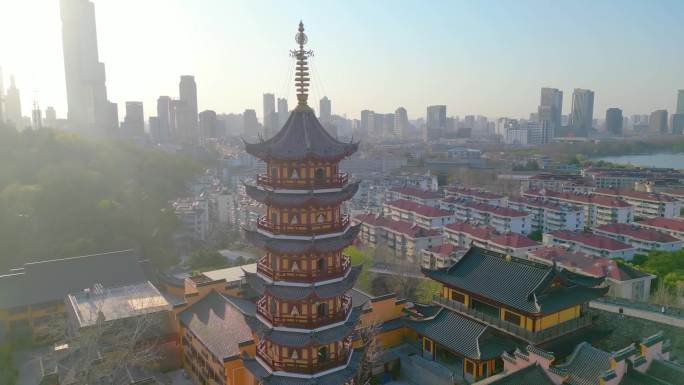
(642, 239)
(598, 210)
(475, 195)
(465, 235)
(422, 215)
(549, 216)
(556, 182)
(442, 256)
(623, 280)
(424, 197)
(672, 226)
(592, 244)
(502, 219)
(646, 204)
(193, 214)
(402, 237)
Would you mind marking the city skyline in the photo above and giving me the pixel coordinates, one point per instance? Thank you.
(478, 74)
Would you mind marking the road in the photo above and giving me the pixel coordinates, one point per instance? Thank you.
(638, 313)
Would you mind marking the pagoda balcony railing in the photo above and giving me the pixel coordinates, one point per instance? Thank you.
(334, 360)
(334, 181)
(304, 321)
(304, 275)
(544, 335)
(303, 229)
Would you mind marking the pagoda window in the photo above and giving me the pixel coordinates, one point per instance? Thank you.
(295, 311)
(294, 220)
(274, 218)
(321, 218)
(294, 174)
(323, 354)
(294, 355)
(294, 267)
(274, 172)
(321, 264)
(319, 174)
(322, 309)
(274, 262)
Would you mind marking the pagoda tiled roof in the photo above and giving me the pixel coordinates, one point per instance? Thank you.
(462, 335)
(303, 246)
(297, 293)
(282, 199)
(518, 283)
(301, 137)
(297, 339)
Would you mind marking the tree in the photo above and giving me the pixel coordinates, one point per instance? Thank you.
(372, 350)
(8, 372)
(426, 289)
(205, 259)
(107, 351)
(536, 235)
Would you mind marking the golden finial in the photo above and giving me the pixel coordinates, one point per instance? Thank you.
(302, 69)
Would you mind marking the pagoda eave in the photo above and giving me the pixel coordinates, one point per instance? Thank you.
(298, 246)
(310, 199)
(299, 293)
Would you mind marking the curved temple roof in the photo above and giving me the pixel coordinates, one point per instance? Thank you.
(302, 137)
(297, 293)
(300, 246)
(280, 199)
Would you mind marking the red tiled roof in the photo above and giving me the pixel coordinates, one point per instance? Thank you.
(674, 224)
(487, 233)
(538, 202)
(638, 232)
(445, 249)
(589, 264)
(677, 192)
(477, 193)
(498, 210)
(418, 193)
(420, 209)
(643, 195)
(403, 227)
(580, 198)
(593, 240)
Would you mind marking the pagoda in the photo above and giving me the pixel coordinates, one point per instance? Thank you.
(304, 318)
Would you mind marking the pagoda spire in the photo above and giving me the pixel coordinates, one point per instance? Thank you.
(302, 68)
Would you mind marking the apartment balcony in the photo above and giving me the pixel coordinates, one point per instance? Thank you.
(304, 275)
(334, 181)
(303, 229)
(304, 321)
(537, 337)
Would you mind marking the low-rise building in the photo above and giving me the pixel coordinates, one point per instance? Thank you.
(402, 237)
(672, 226)
(193, 214)
(642, 239)
(556, 182)
(33, 295)
(646, 204)
(598, 210)
(442, 256)
(589, 243)
(466, 235)
(503, 219)
(420, 214)
(549, 216)
(424, 197)
(623, 280)
(642, 363)
(475, 195)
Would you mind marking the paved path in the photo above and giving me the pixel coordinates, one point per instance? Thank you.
(638, 313)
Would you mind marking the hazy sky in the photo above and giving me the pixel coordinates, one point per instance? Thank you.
(477, 57)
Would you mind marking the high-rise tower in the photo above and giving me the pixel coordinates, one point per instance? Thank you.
(89, 110)
(582, 115)
(13, 106)
(304, 318)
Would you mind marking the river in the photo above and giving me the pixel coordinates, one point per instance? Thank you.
(665, 160)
